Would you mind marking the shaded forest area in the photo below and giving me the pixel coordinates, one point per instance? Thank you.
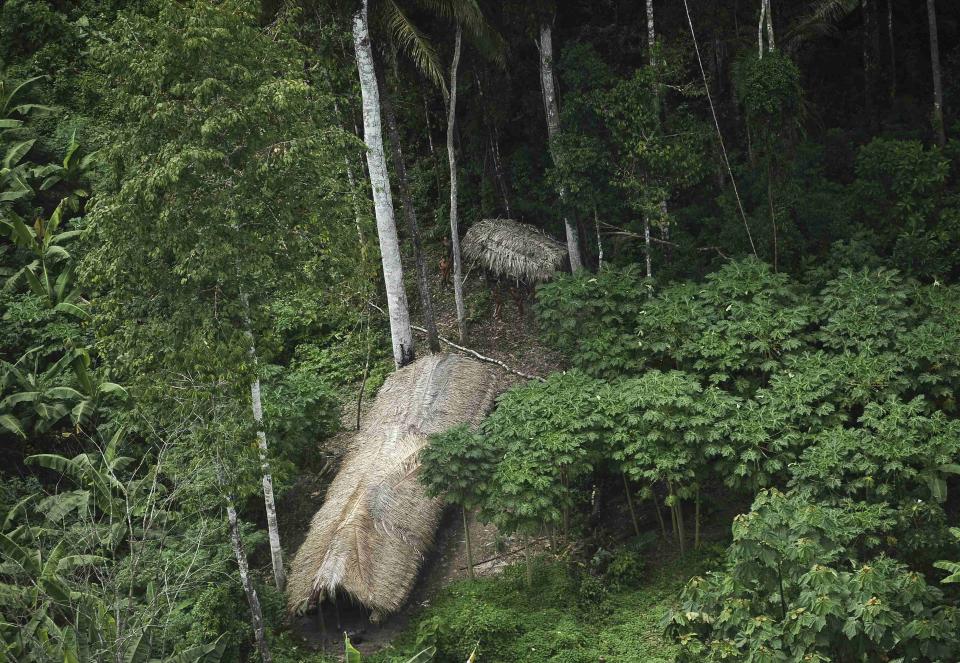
(733, 429)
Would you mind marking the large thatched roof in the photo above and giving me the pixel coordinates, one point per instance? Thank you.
(515, 250)
(369, 537)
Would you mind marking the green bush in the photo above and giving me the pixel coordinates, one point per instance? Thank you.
(795, 589)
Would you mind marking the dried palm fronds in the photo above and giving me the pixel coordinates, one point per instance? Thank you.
(370, 536)
(514, 250)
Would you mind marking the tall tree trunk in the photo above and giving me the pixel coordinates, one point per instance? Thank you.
(651, 32)
(409, 213)
(870, 44)
(273, 531)
(648, 246)
(552, 108)
(454, 221)
(400, 331)
(495, 151)
(771, 42)
(893, 51)
(256, 615)
(763, 14)
(937, 80)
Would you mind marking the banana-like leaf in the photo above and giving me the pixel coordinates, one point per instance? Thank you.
(17, 152)
(10, 123)
(55, 253)
(138, 650)
(23, 235)
(11, 424)
(18, 508)
(112, 388)
(72, 309)
(16, 399)
(71, 562)
(26, 109)
(35, 285)
(56, 507)
(13, 551)
(66, 393)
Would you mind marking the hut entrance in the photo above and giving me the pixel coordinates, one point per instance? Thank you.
(334, 616)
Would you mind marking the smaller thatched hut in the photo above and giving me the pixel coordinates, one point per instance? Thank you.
(369, 538)
(514, 250)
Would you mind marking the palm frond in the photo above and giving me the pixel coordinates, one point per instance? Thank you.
(820, 21)
(467, 13)
(413, 42)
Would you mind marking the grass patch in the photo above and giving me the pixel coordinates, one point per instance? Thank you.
(570, 615)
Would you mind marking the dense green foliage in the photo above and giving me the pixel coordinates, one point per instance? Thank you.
(185, 221)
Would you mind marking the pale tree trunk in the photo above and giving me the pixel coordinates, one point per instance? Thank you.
(454, 221)
(763, 14)
(647, 244)
(273, 530)
(552, 108)
(400, 332)
(256, 615)
(937, 80)
(410, 214)
(771, 43)
(651, 32)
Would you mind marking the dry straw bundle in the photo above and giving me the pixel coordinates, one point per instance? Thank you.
(370, 536)
(514, 250)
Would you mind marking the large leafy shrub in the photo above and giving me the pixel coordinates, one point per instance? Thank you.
(794, 589)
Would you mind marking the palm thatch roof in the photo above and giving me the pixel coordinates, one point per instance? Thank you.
(515, 250)
(369, 537)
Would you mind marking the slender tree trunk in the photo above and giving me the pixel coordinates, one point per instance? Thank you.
(869, 62)
(633, 513)
(696, 524)
(763, 14)
(467, 540)
(552, 109)
(454, 221)
(771, 42)
(938, 126)
(528, 560)
(893, 51)
(647, 245)
(596, 225)
(400, 332)
(656, 509)
(273, 530)
(651, 31)
(410, 214)
(256, 615)
(495, 151)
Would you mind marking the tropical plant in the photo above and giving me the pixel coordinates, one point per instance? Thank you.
(50, 274)
(793, 588)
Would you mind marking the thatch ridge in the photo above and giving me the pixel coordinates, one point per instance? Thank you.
(370, 536)
(514, 250)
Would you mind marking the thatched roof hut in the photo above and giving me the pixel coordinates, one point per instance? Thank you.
(514, 250)
(369, 538)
